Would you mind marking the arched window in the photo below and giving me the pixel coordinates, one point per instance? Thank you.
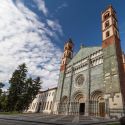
(94, 63)
(106, 24)
(107, 34)
(65, 48)
(50, 107)
(106, 15)
(69, 47)
(41, 106)
(47, 105)
(44, 105)
(53, 94)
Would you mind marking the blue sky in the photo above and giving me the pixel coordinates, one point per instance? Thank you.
(81, 19)
(34, 32)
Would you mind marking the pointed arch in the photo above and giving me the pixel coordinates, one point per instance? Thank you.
(97, 103)
(78, 97)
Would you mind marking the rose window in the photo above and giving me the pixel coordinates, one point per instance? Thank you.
(79, 80)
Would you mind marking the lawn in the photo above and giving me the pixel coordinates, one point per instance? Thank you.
(114, 124)
(9, 113)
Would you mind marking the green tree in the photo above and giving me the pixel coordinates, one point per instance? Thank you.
(32, 88)
(1, 86)
(16, 86)
(22, 89)
(3, 102)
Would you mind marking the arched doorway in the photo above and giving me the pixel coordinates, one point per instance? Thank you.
(97, 107)
(101, 107)
(80, 103)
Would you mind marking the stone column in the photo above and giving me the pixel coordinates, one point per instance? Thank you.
(87, 108)
(94, 108)
(97, 108)
(107, 107)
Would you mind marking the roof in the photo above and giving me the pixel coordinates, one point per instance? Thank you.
(84, 52)
(49, 89)
(110, 6)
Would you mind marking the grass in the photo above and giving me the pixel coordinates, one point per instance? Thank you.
(114, 124)
(9, 113)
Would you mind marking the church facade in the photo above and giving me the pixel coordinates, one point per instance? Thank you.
(92, 81)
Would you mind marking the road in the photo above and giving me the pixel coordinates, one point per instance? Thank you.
(13, 122)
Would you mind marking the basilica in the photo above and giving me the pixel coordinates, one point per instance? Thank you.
(93, 81)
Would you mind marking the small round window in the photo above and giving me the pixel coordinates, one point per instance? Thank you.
(79, 80)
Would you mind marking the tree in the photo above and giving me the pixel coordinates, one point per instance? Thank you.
(1, 96)
(32, 88)
(1, 86)
(16, 86)
(22, 89)
(3, 102)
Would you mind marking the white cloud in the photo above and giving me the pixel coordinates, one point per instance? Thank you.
(23, 38)
(41, 6)
(55, 26)
(62, 6)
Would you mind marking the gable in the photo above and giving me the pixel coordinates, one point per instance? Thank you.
(84, 52)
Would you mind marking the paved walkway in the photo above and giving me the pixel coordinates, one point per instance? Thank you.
(39, 118)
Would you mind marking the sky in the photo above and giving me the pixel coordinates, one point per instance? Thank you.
(34, 32)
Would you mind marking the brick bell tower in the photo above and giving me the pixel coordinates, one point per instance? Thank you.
(67, 55)
(112, 54)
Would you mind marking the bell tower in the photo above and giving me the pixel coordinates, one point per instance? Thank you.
(67, 55)
(112, 54)
(110, 31)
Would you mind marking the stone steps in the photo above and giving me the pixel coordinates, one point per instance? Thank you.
(84, 119)
(53, 117)
(66, 119)
(58, 118)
